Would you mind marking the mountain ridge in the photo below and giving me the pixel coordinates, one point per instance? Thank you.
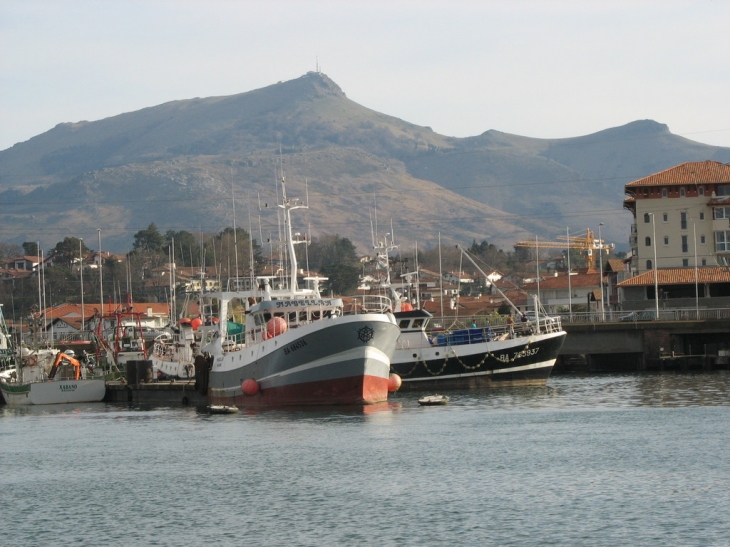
(181, 161)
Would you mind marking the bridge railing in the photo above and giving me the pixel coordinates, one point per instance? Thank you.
(642, 316)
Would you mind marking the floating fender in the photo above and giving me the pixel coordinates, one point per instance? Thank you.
(250, 387)
(276, 326)
(195, 323)
(394, 383)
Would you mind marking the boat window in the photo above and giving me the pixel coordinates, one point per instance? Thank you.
(267, 316)
(315, 315)
(327, 313)
(302, 316)
(418, 323)
(292, 317)
(404, 323)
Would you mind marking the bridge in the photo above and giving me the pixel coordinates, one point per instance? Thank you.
(677, 339)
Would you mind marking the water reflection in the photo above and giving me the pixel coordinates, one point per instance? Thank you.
(667, 389)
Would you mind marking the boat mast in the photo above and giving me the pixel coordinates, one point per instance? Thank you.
(464, 253)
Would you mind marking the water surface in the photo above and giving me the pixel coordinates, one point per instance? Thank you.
(596, 460)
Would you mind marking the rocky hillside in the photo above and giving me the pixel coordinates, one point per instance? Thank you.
(179, 164)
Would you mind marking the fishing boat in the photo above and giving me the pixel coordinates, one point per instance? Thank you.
(507, 354)
(68, 381)
(298, 348)
(173, 353)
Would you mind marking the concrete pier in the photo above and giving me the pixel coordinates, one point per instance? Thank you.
(179, 392)
(645, 346)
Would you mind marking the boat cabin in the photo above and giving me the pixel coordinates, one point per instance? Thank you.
(270, 318)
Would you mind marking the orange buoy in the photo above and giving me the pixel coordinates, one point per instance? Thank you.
(394, 383)
(276, 326)
(406, 306)
(250, 387)
(195, 323)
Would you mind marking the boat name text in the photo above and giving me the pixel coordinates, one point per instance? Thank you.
(505, 358)
(295, 346)
(301, 303)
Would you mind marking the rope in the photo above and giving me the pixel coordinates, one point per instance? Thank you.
(517, 355)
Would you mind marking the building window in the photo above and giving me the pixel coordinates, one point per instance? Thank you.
(664, 192)
(721, 212)
(702, 216)
(685, 262)
(647, 218)
(665, 217)
(704, 262)
(685, 247)
(722, 241)
(702, 240)
(682, 192)
(723, 190)
(683, 221)
(701, 190)
(648, 264)
(647, 241)
(666, 240)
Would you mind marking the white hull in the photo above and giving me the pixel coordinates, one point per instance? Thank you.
(54, 392)
(174, 369)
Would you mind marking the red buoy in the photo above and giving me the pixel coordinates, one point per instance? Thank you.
(406, 306)
(195, 323)
(276, 326)
(394, 383)
(250, 387)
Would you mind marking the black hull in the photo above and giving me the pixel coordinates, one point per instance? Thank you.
(472, 366)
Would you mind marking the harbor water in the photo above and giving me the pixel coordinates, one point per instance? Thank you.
(634, 460)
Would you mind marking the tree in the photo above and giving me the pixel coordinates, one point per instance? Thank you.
(66, 252)
(329, 250)
(30, 248)
(149, 240)
(9, 250)
(342, 278)
(187, 248)
(231, 246)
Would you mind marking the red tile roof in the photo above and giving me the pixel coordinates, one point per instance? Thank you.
(615, 265)
(696, 172)
(561, 282)
(63, 310)
(679, 276)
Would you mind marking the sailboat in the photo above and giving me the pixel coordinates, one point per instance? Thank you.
(299, 348)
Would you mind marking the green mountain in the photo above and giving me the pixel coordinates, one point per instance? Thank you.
(189, 164)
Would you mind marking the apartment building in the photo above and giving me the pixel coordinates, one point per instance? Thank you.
(681, 217)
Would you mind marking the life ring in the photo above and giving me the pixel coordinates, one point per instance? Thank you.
(31, 361)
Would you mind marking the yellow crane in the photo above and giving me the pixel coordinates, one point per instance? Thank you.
(586, 243)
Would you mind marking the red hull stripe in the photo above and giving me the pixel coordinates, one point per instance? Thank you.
(355, 390)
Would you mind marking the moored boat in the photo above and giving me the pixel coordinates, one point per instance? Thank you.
(173, 353)
(68, 381)
(507, 354)
(299, 348)
(433, 400)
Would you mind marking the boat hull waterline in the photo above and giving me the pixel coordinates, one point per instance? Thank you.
(54, 392)
(346, 362)
(524, 361)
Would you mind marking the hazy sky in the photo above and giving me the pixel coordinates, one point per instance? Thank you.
(533, 68)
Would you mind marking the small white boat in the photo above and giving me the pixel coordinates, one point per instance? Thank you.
(67, 382)
(432, 400)
(222, 409)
